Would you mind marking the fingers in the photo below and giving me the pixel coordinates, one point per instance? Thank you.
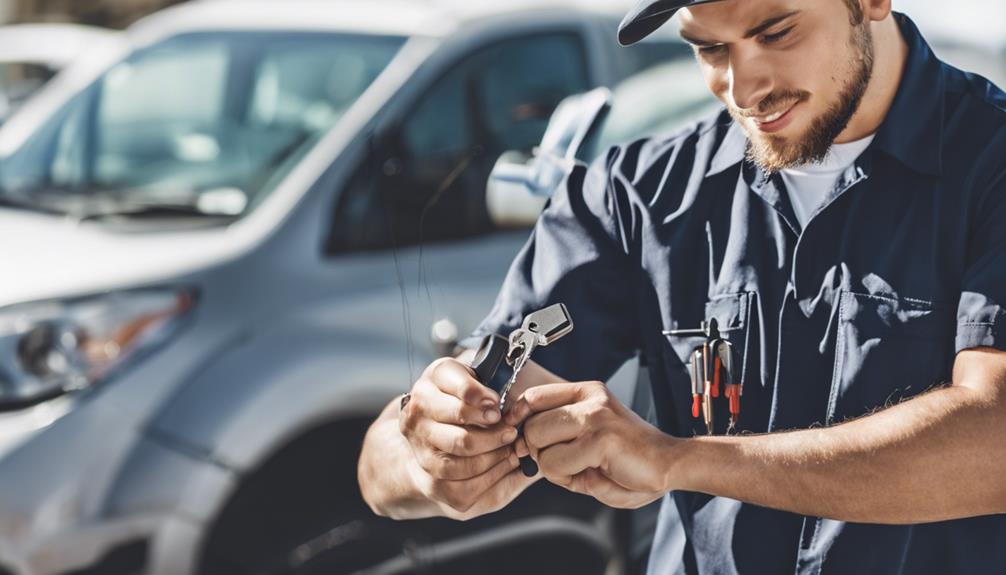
(594, 483)
(500, 494)
(463, 441)
(569, 459)
(546, 397)
(434, 403)
(521, 447)
(558, 425)
(460, 496)
(441, 465)
(456, 379)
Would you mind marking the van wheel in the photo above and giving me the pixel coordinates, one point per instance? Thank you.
(307, 489)
(301, 513)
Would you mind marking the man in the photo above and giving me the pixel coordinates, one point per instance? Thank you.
(842, 220)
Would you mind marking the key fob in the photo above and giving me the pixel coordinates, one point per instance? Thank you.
(491, 353)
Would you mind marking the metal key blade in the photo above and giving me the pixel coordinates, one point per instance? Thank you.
(523, 344)
(539, 328)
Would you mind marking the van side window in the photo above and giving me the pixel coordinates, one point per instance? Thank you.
(425, 181)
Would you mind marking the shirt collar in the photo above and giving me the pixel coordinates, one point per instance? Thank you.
(912, 131)
(731, 151)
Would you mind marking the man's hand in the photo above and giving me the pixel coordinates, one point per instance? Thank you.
(464, 455)
(584, 439)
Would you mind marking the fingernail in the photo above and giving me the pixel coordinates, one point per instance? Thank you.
(519, 412)
(509, 435)
(491, 415)
(488, 404)
(521, 448)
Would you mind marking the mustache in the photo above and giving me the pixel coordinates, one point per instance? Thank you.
(774, 102)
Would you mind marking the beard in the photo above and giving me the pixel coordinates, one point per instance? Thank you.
(774, 153)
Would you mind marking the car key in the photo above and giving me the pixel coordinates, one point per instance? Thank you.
(491, 353)
(538, 329)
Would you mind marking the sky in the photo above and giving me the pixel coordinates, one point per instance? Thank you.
(980, 21)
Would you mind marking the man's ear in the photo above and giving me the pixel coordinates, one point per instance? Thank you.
(876, 10)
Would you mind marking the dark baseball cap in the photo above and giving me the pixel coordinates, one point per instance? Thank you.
(648, 15)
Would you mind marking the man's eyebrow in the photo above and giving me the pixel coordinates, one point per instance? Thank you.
(695, 41)
(765, 25)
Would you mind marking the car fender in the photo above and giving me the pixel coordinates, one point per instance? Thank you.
(267, 390)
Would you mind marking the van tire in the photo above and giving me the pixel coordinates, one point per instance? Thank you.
(301, 513)
(307, 488)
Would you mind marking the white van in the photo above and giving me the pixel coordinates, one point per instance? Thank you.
(226, 246)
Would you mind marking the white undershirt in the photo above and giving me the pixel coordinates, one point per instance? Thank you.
(809, 185)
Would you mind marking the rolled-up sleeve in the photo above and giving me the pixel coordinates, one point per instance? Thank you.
(579, 255)
(981, 317)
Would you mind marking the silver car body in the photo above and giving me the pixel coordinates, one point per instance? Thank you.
(283, 338)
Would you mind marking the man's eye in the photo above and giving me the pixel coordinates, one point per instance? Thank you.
(772, 38)
(711, 50)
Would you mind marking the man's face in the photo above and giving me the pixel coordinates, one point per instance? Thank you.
(791, 72)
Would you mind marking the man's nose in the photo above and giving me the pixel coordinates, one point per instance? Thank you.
(750, 79)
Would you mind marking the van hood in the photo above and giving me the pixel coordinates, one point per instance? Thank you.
(44, 256)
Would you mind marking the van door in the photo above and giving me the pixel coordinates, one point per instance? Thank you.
(420, 191)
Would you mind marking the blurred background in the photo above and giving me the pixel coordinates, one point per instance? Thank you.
(965, 35)
(232, 230)
(106, 13)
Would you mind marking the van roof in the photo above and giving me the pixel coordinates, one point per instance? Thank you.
(53, 45)
(390, 17)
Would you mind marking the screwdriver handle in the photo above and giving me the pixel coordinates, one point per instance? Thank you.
(492, 350)
(717, 367)
(734, 393)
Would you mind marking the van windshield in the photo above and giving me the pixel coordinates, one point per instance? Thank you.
(198, 124)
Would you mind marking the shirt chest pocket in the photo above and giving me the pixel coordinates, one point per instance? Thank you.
(733, 314)
(887, 349)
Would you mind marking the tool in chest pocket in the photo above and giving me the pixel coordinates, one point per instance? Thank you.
(712, 370)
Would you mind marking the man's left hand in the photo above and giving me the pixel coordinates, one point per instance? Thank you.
(585, 440)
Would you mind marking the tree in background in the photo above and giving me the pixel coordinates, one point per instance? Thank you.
(107, 13)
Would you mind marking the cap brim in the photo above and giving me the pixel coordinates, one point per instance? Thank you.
(648, 15)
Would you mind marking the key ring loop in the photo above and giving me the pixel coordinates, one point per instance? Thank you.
(516, 350)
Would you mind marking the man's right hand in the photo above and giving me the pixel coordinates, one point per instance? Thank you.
(465, 459)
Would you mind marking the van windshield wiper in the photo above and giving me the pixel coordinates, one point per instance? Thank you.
(139, 210)
(26, 204)
(127, 203)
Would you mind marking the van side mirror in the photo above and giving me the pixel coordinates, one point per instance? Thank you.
(519, 185)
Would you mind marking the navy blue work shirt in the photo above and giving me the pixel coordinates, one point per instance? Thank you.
(902, 267)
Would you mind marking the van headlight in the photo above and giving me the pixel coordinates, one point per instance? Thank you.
(53, 347)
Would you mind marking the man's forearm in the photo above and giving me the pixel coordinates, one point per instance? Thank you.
(383, 471)
(938, 456)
